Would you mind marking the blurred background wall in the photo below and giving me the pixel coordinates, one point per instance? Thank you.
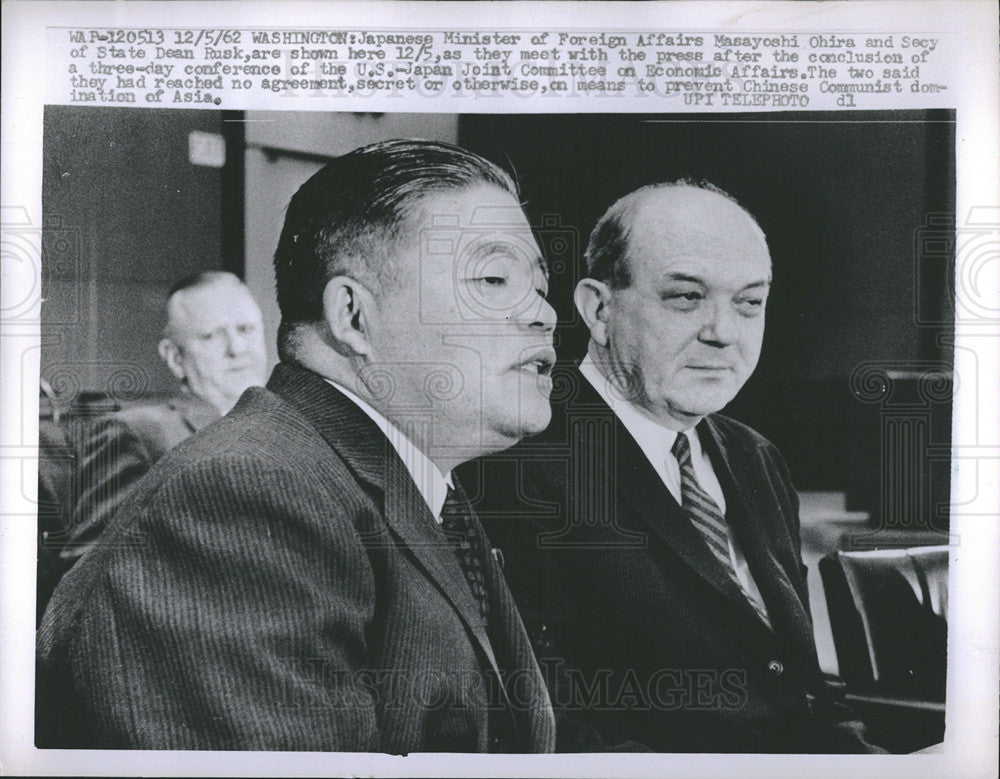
(125, 215)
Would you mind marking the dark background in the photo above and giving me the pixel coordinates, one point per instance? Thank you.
(858, 209)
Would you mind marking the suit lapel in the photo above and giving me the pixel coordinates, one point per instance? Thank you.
(744, 515)
(373, 459)
(533, 723)
(640, 486)
(411, 522)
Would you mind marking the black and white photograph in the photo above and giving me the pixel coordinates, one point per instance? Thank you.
(684, 383)
(611, 436)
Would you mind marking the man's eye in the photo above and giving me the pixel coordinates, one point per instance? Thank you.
(684, 299)
(750, 306)
(245, 329)
(492, 281)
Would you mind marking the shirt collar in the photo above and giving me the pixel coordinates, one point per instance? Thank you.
(654, 439)
(432, 483)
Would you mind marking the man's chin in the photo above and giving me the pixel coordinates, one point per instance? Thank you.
(701, 406)
(525, 426)
(536, 415)
(537, 426)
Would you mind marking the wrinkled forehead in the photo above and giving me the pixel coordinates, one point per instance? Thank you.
(678, 223)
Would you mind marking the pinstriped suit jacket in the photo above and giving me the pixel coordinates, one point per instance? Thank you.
(117, 452)
(276, 582)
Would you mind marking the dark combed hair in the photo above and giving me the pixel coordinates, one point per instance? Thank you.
(347, 218)
(607, 250)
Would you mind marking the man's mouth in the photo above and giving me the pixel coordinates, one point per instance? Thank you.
(538, 363)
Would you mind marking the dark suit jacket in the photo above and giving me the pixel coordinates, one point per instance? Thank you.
(116, 453)
(56, 464)
(639, 630)
(277, 582)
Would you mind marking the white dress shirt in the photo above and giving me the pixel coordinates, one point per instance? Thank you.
(656, 441)
(432, 483)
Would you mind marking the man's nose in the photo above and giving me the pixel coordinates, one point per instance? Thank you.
(720, 326)
(236, 342)
(538, 314)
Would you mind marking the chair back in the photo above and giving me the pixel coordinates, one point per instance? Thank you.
(888, 612)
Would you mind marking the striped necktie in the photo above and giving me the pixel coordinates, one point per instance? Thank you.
(704, 514)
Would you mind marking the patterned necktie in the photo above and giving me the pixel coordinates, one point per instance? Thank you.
(705, 515)
(468, 542)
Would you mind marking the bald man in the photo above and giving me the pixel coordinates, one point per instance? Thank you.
(213, 343)
(652, 543)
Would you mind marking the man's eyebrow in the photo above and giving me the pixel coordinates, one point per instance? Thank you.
(698, 280)
(684, 277)
(492, 246)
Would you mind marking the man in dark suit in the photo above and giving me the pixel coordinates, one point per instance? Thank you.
(652, 543)
(305, 574)
(213, 343)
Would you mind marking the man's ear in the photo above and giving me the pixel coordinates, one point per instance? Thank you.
(170, 353)
(348, 310)
(592, 298)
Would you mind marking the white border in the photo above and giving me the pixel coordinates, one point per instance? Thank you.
(972, 720)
